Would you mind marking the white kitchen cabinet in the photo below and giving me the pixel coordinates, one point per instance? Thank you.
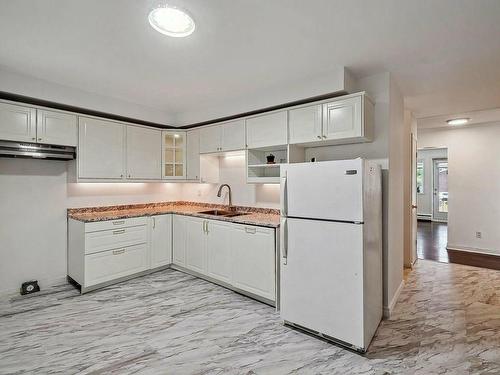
(17, 123)
(267, 130)
(101, 149)
(218, 244)
(229, 136)
(179, 238)
(173, 155)
(210, 139)
(56, 128)
(161, 240)
(143, 153)
(193, 154)
(254, 260)
(304, 124)
(233, 136)
(196, 259)
(348, 119)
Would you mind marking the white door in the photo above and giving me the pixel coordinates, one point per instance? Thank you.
(101, 149)
(161, 240)
(440, 198)
(196, 244)
(330, 190)
(304, 124)
(254, 260)
(193, 154)
(233, 136)
(322, 280)
(179, 240)
(143, 153)
(267, 130)
(343, 119)
(17, 123)
(210, 139)
(219, 252)
(56, 128)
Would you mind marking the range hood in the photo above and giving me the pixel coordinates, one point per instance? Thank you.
(36, 151)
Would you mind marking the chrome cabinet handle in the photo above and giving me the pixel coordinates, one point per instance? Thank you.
(324, 136)
(116, 252)
(119, 222)
(121, 231)
(250, 230)
(33, 139)
(319, 136)
(154, 223)
(207, 227)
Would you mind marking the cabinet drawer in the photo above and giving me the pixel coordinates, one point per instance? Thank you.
(113, 264)
(112, 239)
(115, 224)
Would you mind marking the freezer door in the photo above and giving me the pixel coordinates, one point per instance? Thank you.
(331, 190)
(322, 278)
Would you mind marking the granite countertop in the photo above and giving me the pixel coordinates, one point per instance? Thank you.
(266, 217)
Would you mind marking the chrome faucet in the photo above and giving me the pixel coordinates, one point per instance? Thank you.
(229, 190)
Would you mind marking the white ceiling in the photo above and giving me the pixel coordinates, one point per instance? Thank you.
(445, 55)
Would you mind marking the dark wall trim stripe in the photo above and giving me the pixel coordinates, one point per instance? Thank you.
(84, 111)
(470, 258)
(267, 109)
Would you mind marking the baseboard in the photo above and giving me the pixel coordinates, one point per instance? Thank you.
(389, 309)
(473, 257)
(44, 284)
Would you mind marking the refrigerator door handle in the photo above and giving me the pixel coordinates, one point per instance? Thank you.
(284, 239)
(284, 196)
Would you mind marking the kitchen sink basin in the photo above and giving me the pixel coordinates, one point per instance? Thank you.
(224, 213)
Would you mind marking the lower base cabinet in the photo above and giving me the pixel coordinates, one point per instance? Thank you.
(161, 240)
(242, 256)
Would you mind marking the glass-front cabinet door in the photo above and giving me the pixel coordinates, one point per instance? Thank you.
(174, 155)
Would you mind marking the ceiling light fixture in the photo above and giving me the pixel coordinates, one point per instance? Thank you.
(458, 121)
(171, 21)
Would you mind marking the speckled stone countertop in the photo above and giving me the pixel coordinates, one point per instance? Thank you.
(266, 217)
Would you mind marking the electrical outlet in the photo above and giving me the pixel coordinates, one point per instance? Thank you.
(479, 235)
(199, 193)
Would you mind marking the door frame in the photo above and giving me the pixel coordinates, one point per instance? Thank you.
(435, 181)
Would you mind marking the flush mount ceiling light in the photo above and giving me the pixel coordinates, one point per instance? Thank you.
(458, 121)
(171, 21)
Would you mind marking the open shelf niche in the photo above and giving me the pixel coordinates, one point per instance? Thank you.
(261, 172)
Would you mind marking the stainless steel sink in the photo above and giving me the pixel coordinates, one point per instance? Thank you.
(224, 213)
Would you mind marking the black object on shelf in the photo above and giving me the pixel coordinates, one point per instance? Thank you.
(270, 159)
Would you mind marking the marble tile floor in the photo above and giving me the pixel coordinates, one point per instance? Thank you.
(447, 321)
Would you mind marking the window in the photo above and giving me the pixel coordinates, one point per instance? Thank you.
(420, 177)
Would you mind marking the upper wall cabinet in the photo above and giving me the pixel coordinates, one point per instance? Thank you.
(174, 155)
(267, 130)
(101, 149)
(56, 128)
(348, 119)
(25, 124)
(193, 154)
(229, 136)
(143, 153)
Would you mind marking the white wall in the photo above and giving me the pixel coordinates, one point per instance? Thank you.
(21, 84)
(473, 184)
(34, 196)
(424, 200)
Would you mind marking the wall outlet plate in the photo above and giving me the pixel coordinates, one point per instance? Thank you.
(479, 235)
(29, 287)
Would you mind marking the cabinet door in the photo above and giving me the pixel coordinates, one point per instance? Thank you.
(56, 128)
(17, 123)
(193, 155)
(195, 245)
(101, 149)
(304, 124)
(233, 136)
(161, 240)
(254, 260)
(267, 130)
(219, 250)
(174, 155)
(210, 139)
(143, 153)
(179, 233)
(343, 119)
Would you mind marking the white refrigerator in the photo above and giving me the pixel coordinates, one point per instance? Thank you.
(331, 249)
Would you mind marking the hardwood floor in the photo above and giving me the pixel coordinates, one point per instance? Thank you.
(432, 238)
